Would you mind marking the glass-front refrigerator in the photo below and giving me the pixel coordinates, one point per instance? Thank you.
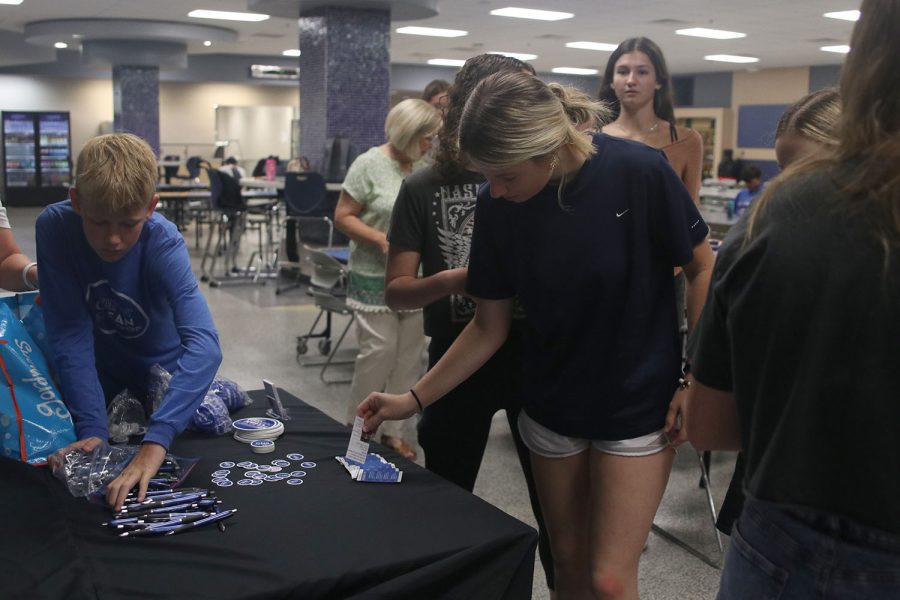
(37, 157)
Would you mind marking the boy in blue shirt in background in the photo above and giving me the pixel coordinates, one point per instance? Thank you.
(752, 178)
(119, 296)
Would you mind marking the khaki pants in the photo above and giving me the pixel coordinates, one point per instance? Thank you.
(391, 346)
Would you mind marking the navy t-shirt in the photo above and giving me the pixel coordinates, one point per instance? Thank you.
(602, 355)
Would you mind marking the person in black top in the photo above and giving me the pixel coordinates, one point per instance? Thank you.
(431, 226)
(807, 127)
(796, 354)
(585, 232)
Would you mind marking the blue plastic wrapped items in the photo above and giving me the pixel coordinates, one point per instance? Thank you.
(223, 397)
(211, 416)
(230, 393)
(34, 421)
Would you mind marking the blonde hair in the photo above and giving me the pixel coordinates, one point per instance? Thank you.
(407, 122)
(815, 117)
(116, 173)
(513, 117)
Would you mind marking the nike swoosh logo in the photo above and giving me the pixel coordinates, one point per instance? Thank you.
(695, 223)
(619, 214)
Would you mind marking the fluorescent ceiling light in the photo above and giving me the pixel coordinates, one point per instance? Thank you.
(292, 52)
(601, 46)
(715, 34)
(574, 71)
(530, 13)
(224, 15)
(16, 2)
(432, 31)
(844, 49)
(517, 55)
(731, 58)
(446, 62)
(845, 15)
(60, 45)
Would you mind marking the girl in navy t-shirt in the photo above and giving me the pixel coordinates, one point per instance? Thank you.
(585, 231)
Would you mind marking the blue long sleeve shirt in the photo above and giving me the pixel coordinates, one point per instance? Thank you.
(112, 322)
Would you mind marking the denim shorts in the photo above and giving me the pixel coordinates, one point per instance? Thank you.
(799, 554)
(550, 444)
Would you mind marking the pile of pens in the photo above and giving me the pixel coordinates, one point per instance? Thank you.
(167, 512)
(168, 474)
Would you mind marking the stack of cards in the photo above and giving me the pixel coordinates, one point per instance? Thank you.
(257, 428)
(375, 468)
(363, 466)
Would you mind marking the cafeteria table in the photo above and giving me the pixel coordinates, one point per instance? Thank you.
(330, 537)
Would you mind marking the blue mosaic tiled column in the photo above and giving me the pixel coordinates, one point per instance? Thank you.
(344, 77)
(136, 102)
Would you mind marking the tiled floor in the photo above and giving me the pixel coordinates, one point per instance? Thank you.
(258, 333)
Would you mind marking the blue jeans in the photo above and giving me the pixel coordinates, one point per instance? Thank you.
(800, 554)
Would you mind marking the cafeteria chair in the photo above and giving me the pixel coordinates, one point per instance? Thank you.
(232, 217)
(306, 202)
(328, 286)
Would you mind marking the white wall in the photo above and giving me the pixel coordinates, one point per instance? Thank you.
(187, 110)
(188, 114)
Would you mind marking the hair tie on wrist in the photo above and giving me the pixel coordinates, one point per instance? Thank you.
(28, 284)
(416, 397)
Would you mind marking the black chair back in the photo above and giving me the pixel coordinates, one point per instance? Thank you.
(305, 195)
(225, 192)
(193, 165)
(340, 153)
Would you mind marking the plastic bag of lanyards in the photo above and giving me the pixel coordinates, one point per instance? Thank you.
(34, 421)
(213, 414)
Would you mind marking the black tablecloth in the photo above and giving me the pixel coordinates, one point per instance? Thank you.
(330, 537)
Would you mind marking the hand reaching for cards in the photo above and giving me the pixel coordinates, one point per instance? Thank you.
(139, 471)
(378, 408)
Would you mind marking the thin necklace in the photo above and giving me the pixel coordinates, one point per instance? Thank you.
(652, 128)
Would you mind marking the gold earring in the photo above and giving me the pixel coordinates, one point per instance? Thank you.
(554, 163)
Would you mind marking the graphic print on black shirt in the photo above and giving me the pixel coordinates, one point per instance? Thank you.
(454, 214)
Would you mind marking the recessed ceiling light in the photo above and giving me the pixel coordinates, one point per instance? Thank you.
(292, 52)
(731, 58)
(207, 43)
(843, 49)
(60, 45)
(446, 62)
(601, 46)
(530, 13)
(224, 15)
(432, 31)
(715, 34)
(844, 15)
(15, 2)
(517, 55)
(574, 71)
